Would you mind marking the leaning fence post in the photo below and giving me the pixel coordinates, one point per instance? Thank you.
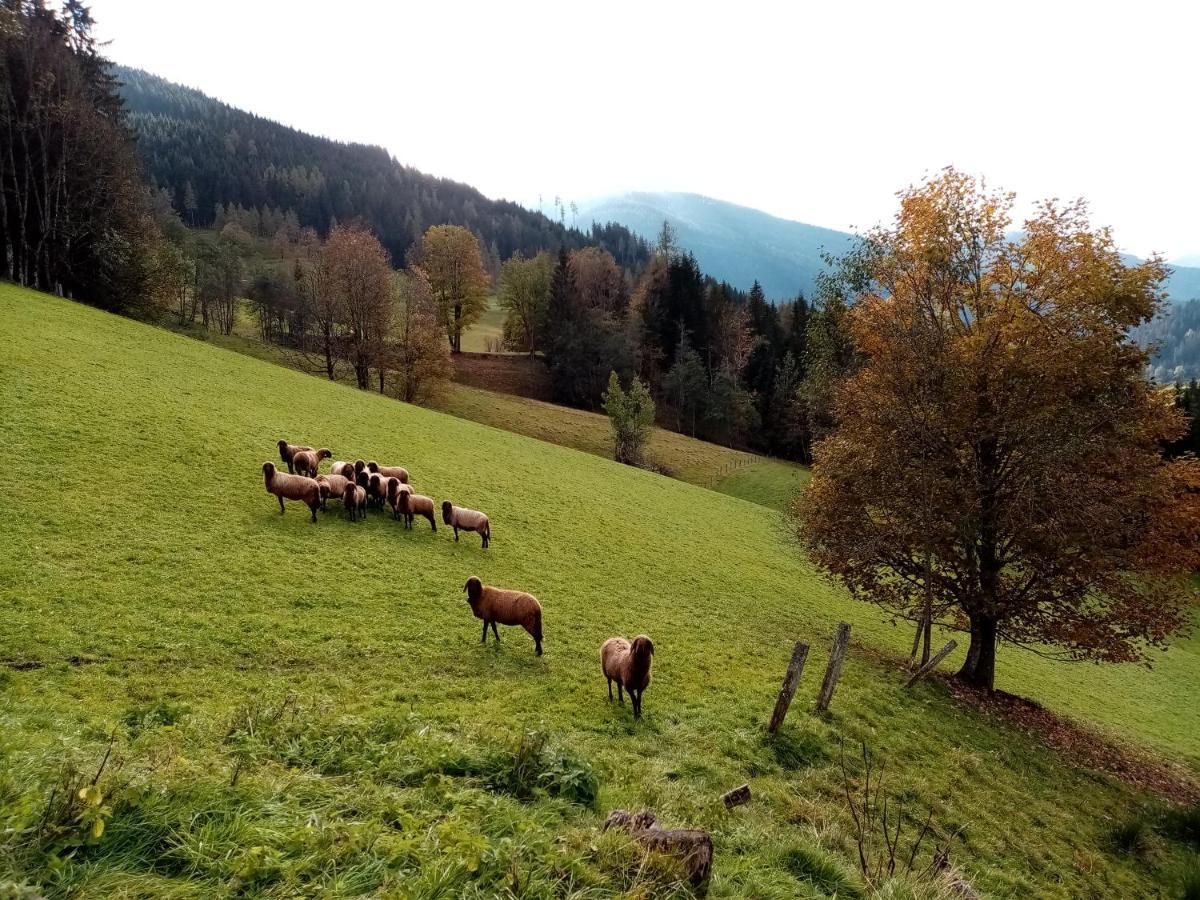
(834, 670)
(929, 666)
(788, 690)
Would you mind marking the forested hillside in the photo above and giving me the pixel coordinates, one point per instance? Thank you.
(1176, 334)
(207, 155)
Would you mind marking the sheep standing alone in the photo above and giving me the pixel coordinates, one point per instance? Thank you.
(292, 487)
(493, 604)
(416, 505)
(306, 461)
(389, 471)
(396, 491)
(332, 485)
(629, 666)
(355, 501)
(287, 451)
(462, 519)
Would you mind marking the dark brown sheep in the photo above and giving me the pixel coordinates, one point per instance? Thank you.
(493, 604)
(355, 501)
(389, 471)
(377, 487)
(288, 451)
(416, 505)
(462, 519)
(306, 461)
(396, 491)
(292, 487)
(629, 666)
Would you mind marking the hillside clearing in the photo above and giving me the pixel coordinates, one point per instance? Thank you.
(305, 708)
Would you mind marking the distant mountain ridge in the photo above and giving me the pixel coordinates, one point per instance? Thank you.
(739, 244)
(732, 243)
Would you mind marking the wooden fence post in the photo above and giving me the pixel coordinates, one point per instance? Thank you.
(788, 690)
(837, 655)
(929, 666)
(737, 797)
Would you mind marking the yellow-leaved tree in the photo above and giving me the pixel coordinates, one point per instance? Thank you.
(449, 257)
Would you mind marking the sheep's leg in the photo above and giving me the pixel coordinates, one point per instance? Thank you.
(313, 510)
(280, 497)
(495, 632)
(620, 692)
(636, 697)
(609, 680)
(456, 534)
(485, 540)
(432, 523)
(484, 641)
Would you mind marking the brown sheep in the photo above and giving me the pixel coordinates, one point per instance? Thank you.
(493, 604)
(306, 461)
(287, 451)
(332, 485)
(355, 501)
(395, 492)
(363, 480)
(360, 466)
(292, 487)
(345, 469)
(629, 666)
(462, 519)
(389, 471)
(416, 505)
(376, 485)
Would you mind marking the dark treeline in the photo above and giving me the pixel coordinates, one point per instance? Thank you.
(1187, 398)
(218, 162)
(74, 217)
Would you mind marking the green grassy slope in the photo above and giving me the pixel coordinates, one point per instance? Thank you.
(487, 331)
(148, 583)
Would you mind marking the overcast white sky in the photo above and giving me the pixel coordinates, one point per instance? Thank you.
(816, 112)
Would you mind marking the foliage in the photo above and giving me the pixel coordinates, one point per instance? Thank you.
(1000, 424)
(525, 297)
(418, 353)
(631, 415)
(448, 256)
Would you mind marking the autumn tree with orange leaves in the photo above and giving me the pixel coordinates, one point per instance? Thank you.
(997, 450)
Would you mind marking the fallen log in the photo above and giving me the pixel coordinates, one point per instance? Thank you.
(932, 664)
(692, 847)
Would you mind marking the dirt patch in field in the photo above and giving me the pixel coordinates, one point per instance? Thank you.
(517, 375)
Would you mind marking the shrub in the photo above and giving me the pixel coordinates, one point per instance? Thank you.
(631, 415)
(533, 766)
(824, 871)
(1131, 837)
(1183, 824)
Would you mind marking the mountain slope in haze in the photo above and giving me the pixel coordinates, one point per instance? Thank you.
(204, 152)
(732, 243)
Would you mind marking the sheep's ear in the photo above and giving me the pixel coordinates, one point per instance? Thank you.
(467, 582)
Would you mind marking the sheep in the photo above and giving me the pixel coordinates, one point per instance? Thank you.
(288, 451)
(376, 485)
(389, 471)
(306, 461)
(355, 501)
(493, 604)
(629, 666)
(360, 466)
(332, 485)
(395, 492)
(345, 469)
(363, 480)
(416, 505)
(460, 518)
(292, 487)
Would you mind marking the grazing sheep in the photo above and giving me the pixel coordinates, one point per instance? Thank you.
(493, 604)
(377, 487)
(416, 505)
(292, 487)
(306, 461)
(462, 519)
(629, 666)
(332, 485)
(395, 492)
(360, 466)
(288, 451)
(355, 501)
(389, 471)
(345, 469)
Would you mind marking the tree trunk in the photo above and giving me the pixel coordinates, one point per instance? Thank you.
(979, 669)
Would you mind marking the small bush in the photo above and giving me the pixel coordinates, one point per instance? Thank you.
(1132, 837)
(1183, 824)
(534, 766)
(1189, 880)
(162, 714)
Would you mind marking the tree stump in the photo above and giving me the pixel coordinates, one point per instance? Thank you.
(739, 796)
(694, 848)
(833, 671)
(790, 679)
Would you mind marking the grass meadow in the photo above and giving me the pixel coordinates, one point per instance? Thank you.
(277, 708)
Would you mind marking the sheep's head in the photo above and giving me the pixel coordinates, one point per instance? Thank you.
(642, 646)
(393, 488)
(359, 465)
(447, 511)
(323, 484)
(268, 469)
(323, 453)
(283, 445)
(362, 478)
(474, 588)
(373, 466)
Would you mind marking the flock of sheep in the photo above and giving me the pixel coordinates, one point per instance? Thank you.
(360, 484)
